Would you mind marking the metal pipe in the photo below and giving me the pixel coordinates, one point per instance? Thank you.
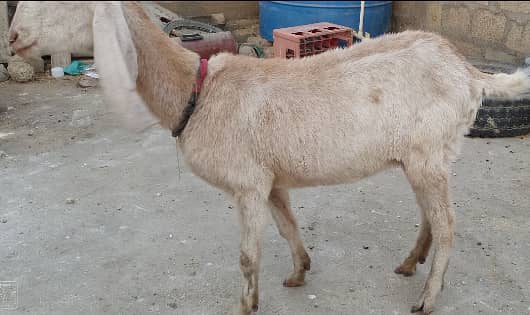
(361, 20)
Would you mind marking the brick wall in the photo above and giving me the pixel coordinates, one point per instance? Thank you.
(491, 30)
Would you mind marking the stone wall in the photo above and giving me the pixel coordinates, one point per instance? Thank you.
(4, 48)
(231, 9)
(491, 30)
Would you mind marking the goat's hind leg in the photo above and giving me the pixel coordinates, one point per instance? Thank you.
(430, 183)
(420, 251)
(286, 223)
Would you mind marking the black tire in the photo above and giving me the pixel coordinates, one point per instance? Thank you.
(499, 117)
(192, 25)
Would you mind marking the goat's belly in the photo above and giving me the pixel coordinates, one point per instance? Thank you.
(329, 172)
(335, 155)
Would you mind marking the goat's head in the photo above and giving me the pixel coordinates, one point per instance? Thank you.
(46, 27)
(116, 61)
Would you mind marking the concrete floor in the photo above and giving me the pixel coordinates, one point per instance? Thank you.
(139, 238)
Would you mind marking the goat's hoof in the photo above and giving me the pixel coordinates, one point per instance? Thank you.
(307, 265)
(293, 283)
(306, 261)
(416, 308)
(245, 310)
(248, 304)
(425, 310)
(296, 279)
(404, 271)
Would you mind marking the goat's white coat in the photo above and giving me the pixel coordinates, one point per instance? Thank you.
(64, 26)
(54, 27)
(264, 126)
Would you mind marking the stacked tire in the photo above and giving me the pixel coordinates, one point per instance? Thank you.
(499, 117)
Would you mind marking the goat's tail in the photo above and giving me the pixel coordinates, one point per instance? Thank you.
(506, 85)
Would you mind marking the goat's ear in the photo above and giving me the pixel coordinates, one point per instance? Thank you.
(115, 58)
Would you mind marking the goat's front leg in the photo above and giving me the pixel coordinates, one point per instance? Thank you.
(430, 183)
(286, 223)
(253, 219)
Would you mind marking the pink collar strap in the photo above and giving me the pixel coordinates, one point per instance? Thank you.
(192, 102)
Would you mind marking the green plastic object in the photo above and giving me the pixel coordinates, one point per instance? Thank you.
(257, 49)
(75, 68)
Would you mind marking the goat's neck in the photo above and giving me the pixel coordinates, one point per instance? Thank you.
(166, 71)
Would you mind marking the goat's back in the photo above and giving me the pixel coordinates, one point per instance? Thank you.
(337, 116)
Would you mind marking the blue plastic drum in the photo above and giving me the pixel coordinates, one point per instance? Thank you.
(280, 14)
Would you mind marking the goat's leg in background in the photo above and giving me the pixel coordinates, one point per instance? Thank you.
(420, 251)
(253, 208)
(288, 228)
(429, 179)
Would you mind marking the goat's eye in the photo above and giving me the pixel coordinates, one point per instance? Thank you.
(13, 37)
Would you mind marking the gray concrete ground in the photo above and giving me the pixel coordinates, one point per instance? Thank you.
(138, 238)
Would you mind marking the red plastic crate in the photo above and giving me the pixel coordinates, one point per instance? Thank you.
(310, 39)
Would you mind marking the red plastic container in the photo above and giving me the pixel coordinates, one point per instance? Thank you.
(310, 39)
(210, 44)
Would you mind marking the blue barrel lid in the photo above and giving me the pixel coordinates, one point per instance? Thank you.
(331, 4)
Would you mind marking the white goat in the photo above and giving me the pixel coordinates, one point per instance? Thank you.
(51, 27)
(261, 127)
